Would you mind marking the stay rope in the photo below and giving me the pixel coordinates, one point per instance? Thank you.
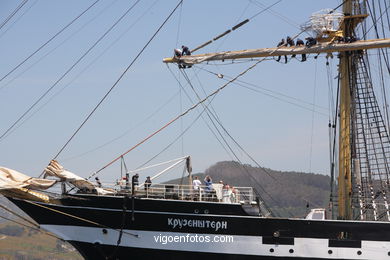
(79, 218)
(118, 80)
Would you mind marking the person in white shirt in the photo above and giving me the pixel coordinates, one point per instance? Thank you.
(196, 183)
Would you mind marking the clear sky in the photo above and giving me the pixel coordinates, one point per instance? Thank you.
(271, 126)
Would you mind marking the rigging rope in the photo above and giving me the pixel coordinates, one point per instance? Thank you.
(381, 53)
(181, 134)
(181, 103)
(184, 113)
(119, 79)
(82, 71)
(70, 69)
(375, 21)
(29, 227)
(312, 116)
(265, 9)
(13, 13)
(177, 117)
(205, 121)
(374, 25)
(78, 218)
(105, 8)
(286, 19)
(273, 95)
(232, 29)
(175, 140)
(19, 216)
(236, 142)
(209, 113)
(48, 41)
(17, 19)
(244, 151)
(151, 115)
(332, 134)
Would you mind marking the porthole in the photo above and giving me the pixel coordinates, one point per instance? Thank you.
(359, 252)
(196, 211)
(291, 251)
(271, 250)
(206, 211)
(104, 231)
(330, 252)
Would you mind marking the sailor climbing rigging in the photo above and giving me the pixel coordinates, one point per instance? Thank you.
(280, 44)
(178, 53)
(300, 43)
(310, 41)
(290, 43)
(185, 50)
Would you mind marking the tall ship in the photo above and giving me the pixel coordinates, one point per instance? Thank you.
(189, 220)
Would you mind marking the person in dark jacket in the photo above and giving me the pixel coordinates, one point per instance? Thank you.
(134, 182)
(282, 43)
(99, 184)
(310, 41)
(148, 183)
(185, 50)
(290, 43)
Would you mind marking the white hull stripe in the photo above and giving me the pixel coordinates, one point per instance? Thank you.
(241, 245)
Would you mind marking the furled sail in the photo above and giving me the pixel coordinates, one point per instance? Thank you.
(280, 51)
(19, 185)
(11, 179)
(57, 170)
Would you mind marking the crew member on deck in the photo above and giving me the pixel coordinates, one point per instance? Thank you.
(148, 183)
(209, 183)
(196, 183)
(301, 43)
(98, 182)
(134, 182)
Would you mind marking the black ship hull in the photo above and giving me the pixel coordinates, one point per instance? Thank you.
(113, 227)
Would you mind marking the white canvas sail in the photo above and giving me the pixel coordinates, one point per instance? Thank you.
(11, 179)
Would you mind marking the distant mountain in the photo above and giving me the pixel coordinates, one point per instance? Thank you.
(286, 193)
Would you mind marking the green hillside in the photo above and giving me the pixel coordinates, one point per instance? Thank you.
(286, 193)
(17, 242)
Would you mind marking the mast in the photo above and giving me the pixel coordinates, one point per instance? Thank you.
(345, 145)
(364, 143)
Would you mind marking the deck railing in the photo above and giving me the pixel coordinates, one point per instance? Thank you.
(216, 192)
